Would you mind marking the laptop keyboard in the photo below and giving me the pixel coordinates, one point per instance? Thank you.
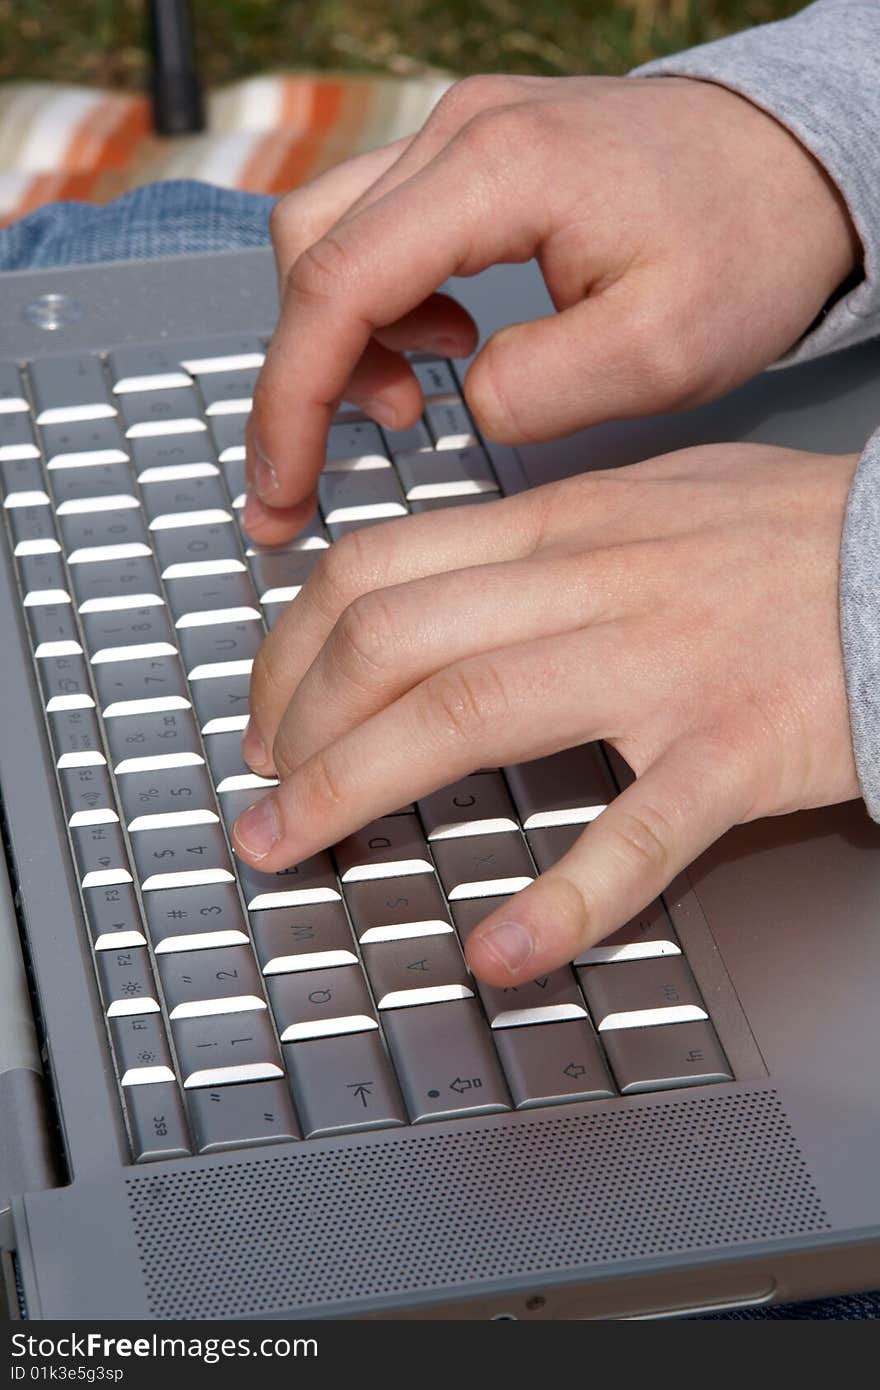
(243, 1007)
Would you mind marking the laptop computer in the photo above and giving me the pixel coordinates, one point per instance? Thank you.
(233, 1095)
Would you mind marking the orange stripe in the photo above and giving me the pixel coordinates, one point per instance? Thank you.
(278, 162)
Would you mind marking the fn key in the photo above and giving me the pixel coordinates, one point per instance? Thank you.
(673, 1054)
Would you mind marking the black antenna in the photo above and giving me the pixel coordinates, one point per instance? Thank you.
(174, 83)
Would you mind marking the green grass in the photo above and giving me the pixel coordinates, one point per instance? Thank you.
(102, 41)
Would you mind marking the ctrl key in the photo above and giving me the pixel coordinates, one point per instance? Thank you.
(666, 1056)
(156, 1122)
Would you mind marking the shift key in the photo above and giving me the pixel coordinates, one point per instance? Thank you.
(445, 1060)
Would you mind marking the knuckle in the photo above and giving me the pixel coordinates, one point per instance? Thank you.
(465, 98)
(337, 578)
(363, 636)
(645, 836)
(463, 701)
(324, 791)
(662, 353)
(323, 270)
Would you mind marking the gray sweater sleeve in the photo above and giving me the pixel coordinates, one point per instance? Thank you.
(819, 75)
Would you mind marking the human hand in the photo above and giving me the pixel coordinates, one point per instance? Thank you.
(683, 609)
(686, 238)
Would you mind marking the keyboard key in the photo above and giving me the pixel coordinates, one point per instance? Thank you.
(229, 770)
(12, 397)
(21, 477)
(116, 584)
(64, 681)
(392, 909)
(144, 742)
(141, 368)
(646, 935)
(143, 1056)
(231, 1117)
(126, 981)
(100, 855)
(430, 970)
(313, 881)
(553, 998)
(32, 528)
(321, 1003)
(279, 576)
(550, 842)
(43, 578)
(53, 629)
(76, 738)
(224, 1049)
(69, 388)
(17, 439)
(166, 796)
(123, 635)
(208, 547)
(218, 980)
(221, 704)
(366, 495)
(344, 1083)
(171, 451)
(180, 857)
(103, 535)
(445, 473)
(483, 866)
(387, 848)
(450, 425)
(173, 496)
(113, 917)
(445, 1061)
(146, 414)
(641, 993)
(676, 1054)
(408, 441)
(156, 1122)
(313, 536)
(477, 805)
(212, 598)
(315, 937)
(91, 489)
(436, 379)
(228, 436)
(556, 1062)
(228, 393)
(568, 788)
(140, 685)
(195, 919)
(235, 352)
(204, 647)
(90, 443)
(87, 794)
(355, 447)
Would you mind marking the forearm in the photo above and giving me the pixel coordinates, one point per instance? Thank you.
(818, 74)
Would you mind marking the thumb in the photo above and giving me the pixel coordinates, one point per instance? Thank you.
(606, 357)
(624, 858)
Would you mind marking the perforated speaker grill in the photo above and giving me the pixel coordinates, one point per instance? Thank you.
(425, 1210)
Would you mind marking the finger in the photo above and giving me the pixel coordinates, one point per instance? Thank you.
(390, 639)
(370, 271)
(370, 560)
(485, 711)
(630, 853)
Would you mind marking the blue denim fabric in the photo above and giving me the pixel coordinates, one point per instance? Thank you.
(161, 219)
(172, 218)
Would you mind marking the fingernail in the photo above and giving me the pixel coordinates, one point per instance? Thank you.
(266, 479)
(509, 942)
(381, 412)
(257, 829)
(253, 749)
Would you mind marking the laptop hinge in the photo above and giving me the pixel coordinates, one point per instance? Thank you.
(26, 1162)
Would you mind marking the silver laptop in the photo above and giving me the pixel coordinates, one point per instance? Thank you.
(240, 1095)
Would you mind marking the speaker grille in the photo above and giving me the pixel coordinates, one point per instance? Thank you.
(427, 1210)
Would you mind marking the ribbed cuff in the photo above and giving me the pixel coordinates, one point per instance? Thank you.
(818, 74)
(860, 619)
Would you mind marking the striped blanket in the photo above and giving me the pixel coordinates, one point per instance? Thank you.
(265, 135)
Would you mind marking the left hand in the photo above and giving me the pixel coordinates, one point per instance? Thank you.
(684, 610)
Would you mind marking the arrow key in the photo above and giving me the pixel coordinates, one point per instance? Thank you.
(552, 1063)
(344, 1083)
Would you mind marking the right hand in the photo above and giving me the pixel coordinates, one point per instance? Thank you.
(686, 238)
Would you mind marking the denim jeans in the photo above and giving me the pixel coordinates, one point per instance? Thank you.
(168, 219)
